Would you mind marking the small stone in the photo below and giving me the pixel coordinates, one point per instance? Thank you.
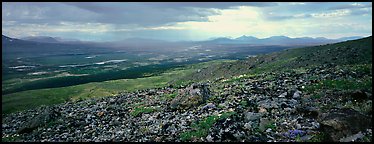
(262, 110)
(296, 95)
(283, 95)
(209, 106)
(298, 126)
(222, 105)
(352, 138)
(120, 132)
(5, 126)
(315, 125)
(268, 130)
(251, 116)
(209, 138)
(287, 109)
(158, 139)
(236, 135)
(293, 102)
(116, 122)
(270, 137)
(248, 125)
(100, 113)
(306, 137)
(112, 100)
(263, 123)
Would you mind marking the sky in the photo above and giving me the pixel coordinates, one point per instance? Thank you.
(185, 21)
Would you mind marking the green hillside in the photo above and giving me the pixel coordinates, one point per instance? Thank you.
(312, 94)
(343, 53)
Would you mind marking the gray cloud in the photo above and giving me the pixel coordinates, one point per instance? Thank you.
(157, 13)
(113, 13)
(44, 13)
(143, 14)
(153, 19)
(350, 9)
(100, 7)
(287, 17)
(352, 6)
(218, 5)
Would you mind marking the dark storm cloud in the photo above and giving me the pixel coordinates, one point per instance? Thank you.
(111, 13)
(44, 13)
(157, 13)
(142, 14)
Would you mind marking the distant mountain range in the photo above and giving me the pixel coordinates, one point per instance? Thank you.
(48, 39)
(277, 40)
(251, 40)
(44, 39)
(6, 39)
(48, 46)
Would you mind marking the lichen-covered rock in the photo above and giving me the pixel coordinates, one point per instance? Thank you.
(251, 116)
(191, 96)
(339, 123)
(209, 106)
(360, 96)
(43, 118)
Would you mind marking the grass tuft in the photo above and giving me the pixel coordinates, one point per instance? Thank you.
(140, 110)
(201, 128)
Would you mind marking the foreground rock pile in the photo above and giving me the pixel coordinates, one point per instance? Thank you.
(269, 107)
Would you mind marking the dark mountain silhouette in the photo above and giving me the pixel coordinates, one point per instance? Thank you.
(44, 39)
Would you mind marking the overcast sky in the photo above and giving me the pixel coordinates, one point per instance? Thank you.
(185, 20)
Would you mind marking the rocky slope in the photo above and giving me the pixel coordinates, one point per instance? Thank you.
(319, 102)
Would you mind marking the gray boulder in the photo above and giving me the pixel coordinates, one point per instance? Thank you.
(251, 116)
(208, 106)
(42, 119)
(191, 96)
(340, 123)
(283, 95)
(296, 95)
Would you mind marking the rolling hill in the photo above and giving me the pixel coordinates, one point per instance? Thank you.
(277, 40)
(312, 94)
(343, 53)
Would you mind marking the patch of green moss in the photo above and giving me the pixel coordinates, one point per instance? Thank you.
(240, 77)
(140, 110)
(170, 96)
(319, 137)
(343, 84)
(243, 103)
(271, 125)
(10, 139)
(201, 128)
(316, 96)
(298, 139)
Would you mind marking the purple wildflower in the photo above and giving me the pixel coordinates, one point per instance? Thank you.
(294, 133)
